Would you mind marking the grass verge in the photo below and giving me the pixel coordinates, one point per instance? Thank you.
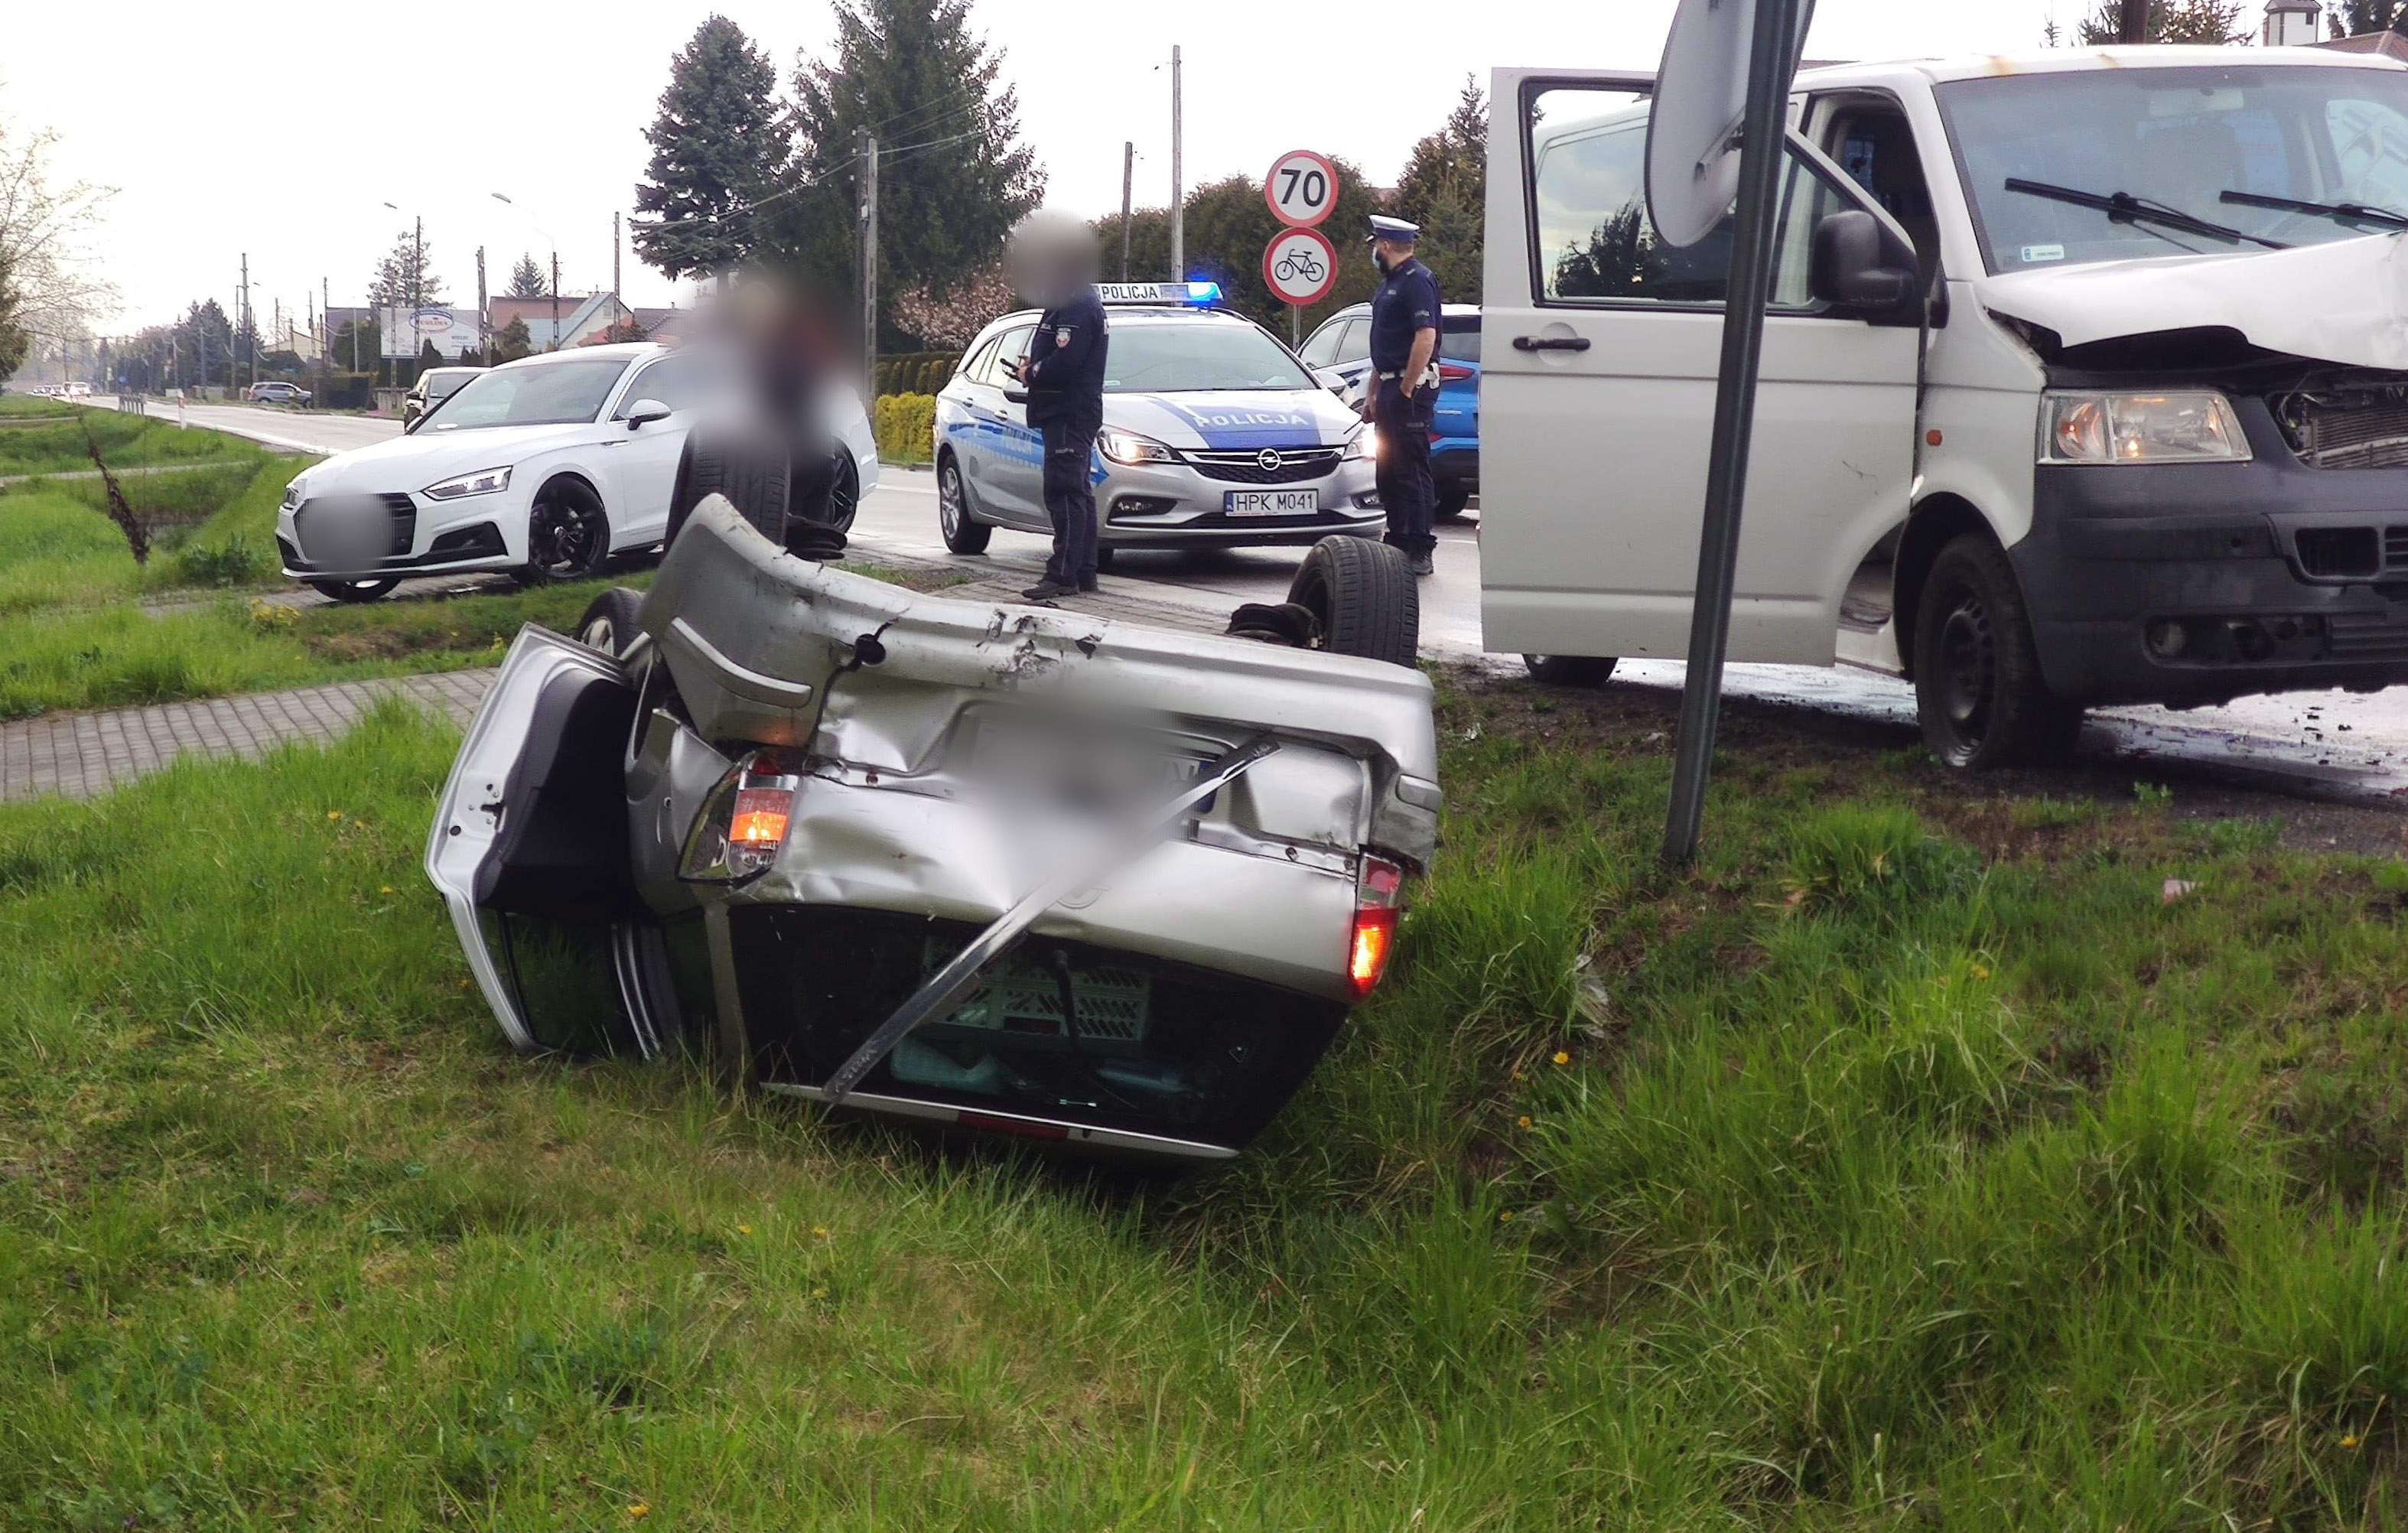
(1914, 1159)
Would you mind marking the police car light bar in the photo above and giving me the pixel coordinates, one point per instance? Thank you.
(1194, 294)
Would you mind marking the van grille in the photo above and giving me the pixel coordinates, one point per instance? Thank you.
(2346, 428)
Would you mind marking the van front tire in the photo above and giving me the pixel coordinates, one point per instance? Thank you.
(1979, 692)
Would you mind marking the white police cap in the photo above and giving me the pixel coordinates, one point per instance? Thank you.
(1384, 227)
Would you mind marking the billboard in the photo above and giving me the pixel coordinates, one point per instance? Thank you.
(453, 330)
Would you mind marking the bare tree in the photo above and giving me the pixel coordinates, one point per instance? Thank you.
(48, 291)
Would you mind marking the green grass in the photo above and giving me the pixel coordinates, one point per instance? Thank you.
(1854, 1179)
(125, 442)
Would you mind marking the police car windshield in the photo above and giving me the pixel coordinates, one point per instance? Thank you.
(1193, 357)
(553, 393)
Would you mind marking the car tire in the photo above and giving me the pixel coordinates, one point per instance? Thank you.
(1363, 597)
(354, 591)
(1453, 501)
(1979, 692)
(1569, 670)
(750, 468)
(1104, 552)
(964, 532)
(609, 621)
(569, 535)
(844, 493)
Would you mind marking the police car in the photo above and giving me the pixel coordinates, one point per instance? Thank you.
(1214, 434)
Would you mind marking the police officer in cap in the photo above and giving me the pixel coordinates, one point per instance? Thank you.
(1055, 260)
(1404, 386)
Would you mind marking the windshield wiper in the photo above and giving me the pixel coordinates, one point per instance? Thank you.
(2124, 208)
(2349, 212)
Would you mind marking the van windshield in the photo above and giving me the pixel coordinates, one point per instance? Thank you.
(2178, 141)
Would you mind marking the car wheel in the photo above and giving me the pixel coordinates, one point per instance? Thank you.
(1978, 688)
(1453, 501)
(354, 589)
(1363, 597)
(750, 468)
(962, 532)
(1569, 670)
(844, 491)
(1104, 552)
(569, 535)
(609, 621)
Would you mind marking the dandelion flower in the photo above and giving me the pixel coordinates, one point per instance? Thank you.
(639, 1509)
(1981, 971)
(2350, 1442)
(743, 1229)
(1505, 1218)
(334, 814)
(386, 890)
(820, 1230)
(1523, 1121)
(1562, 1057)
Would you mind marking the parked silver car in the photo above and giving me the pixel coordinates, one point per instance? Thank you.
(1013, 870)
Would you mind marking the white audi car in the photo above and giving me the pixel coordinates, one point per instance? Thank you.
(543, 468)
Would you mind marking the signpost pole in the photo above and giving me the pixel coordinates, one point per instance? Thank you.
(1769, 73)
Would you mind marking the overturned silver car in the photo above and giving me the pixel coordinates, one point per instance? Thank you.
(1016, 869)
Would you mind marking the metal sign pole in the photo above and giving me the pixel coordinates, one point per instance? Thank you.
(1770, 69)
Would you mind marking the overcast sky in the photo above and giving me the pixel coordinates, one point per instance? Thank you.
(208, 116)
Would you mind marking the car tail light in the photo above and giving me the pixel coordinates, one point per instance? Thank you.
(743, 823)
(1453, 372)
(1378, 900)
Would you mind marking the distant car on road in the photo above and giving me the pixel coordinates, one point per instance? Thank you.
(1342, 345)
(433, 387)
(274, 392)
(542, 468)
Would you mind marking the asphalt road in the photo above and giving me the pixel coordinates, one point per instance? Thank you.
(2324, 743)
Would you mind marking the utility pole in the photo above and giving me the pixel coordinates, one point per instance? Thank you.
(1177, 192)
(481, 308)
(2135, 28)
(1128, 172)
(868, 144)
(243, 326)
(417, 268)
(614, 259)
(555, 302)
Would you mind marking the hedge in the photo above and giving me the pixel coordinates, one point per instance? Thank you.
(916, 372)
(905, 427)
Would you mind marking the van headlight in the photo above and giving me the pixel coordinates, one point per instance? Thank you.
(1127, 447)
(2178, 426)
(484, 481)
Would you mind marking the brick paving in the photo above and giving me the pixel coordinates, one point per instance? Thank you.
(77, 755)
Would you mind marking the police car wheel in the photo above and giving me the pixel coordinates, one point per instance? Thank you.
(1453, 501)
(962, 532)
(1569, 670)
(1363, 597)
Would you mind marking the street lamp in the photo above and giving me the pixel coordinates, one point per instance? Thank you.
(539, 228)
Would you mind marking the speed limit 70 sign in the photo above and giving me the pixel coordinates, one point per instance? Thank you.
(1302, 188)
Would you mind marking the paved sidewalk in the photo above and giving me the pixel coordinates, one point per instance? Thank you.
(77, 755)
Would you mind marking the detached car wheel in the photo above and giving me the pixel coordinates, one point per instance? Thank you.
(962, 532)
(1569, 670)
(354, 589)
(1363, 597)
(609, 621)
(1978, 689)
(750, 470)
(569, 535)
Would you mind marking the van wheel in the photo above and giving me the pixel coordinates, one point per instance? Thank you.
(609, 621)
(1978, 688)
(1363, 597)
(1569, 670)
(964, 532)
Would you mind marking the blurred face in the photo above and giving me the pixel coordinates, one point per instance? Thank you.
(1387, 254)
(1052, 257)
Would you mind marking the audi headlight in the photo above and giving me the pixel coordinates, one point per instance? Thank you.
(2189, 426)
(1127, 447)
(293, 496)
(1363, 444)
(484, 481)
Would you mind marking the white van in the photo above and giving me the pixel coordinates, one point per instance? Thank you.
(2147, 440)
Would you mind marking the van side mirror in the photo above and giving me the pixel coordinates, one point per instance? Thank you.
(1857, 264)
(643, 412)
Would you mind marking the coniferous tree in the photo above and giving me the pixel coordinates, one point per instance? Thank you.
(2171, 21)
(953, 175)
(405, 277)
(527, 280)
(717, 149)
(1444, 189)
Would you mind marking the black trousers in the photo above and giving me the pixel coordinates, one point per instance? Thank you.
(1071, 499)
(1407, 491)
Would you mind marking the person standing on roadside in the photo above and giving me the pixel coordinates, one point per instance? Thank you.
(1403, 389)
(1054, 261)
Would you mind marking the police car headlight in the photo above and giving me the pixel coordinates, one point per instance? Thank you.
(1363, 444)
(2195, 426)
(484, 481)
(1127, 447)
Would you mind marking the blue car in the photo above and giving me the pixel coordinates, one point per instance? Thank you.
(1342, 345)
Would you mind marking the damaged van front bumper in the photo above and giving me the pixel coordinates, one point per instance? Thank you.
(773, 822)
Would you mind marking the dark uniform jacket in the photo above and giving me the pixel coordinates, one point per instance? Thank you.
(1065, 371)
(1406, 304)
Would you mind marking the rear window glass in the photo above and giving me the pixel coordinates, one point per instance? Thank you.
(1459, 338)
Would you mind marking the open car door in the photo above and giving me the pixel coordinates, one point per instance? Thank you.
(530, 850)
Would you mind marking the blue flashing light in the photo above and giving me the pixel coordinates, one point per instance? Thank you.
(1202, 293)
